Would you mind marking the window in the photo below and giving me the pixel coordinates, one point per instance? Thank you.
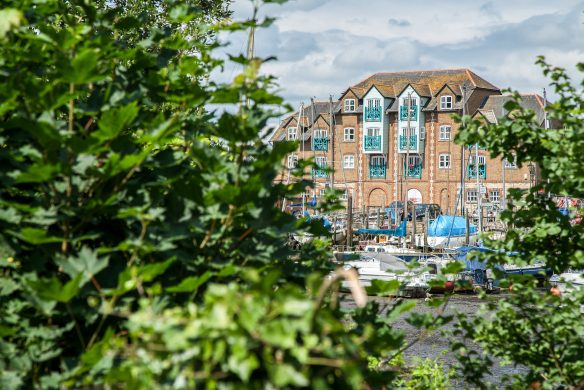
(321, 192)
(471, 196)
(345, 195)
(446, 102)
(482, 160)
(291, 133)
(444, 133)
(349, 161)
(320, 133)
(371, 131)
(511, 164)
(349, 134)
(413, 101)
(495, 196)
(414, 161)
(292, 161)
(422, 133)
(349, 105)
(378, 160)
(373, 102)
(444, 161)
(321, 161)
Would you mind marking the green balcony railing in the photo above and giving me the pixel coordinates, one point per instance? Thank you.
(472, 174)
(373, 114)
(372, 142)
(403, 142)
(320, 171)
(414, 170)
(403, 113)
(377, 171)
(320, 144)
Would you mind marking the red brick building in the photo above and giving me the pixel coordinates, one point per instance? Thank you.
(392, 134)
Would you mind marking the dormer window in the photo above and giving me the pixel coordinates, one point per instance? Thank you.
(349, 105)
(292, 133)
(446, 102)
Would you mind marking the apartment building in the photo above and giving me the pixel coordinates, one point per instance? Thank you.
(391, 135)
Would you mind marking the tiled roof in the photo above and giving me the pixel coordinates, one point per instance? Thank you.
(426, 82)
(309, 116)
(495, 104)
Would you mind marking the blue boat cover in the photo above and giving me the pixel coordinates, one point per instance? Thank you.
(399, 231)
(448, 225)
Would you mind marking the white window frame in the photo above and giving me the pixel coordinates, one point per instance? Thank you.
(482, 160)
(413, 101)
(414, 160)
(511, 164)
(320, 133)
(350, 105)
(349, 161)
(349, 134)
(494, 199)
(295, 132)
(474, 198)
(422, 133)
(375, 102)
(444, 133)
(378, 160)
(345, 195)
(405, 131)
(444, 161)
(320, 161)
(373, 131)
(292, 161)
(321, 193)
(446, 102)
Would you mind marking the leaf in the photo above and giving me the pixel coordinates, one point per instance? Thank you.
(113, 121)
(83, 68)
(191, 283)
(9, 18)
(36, 236)
(380, 287)
(52, 289)
(85, 263)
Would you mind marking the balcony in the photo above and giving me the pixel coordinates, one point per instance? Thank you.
(403, 113)
(403, 142)
(377, 171)
(372, 143)
(472, 174)
(320, 144)
(414, 171)
(320, 171)
(373, 114)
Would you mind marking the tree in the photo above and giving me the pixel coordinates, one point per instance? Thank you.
(135, 251)
(532, 328)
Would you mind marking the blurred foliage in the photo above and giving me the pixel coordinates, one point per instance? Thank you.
(140, 242)
(531, 328)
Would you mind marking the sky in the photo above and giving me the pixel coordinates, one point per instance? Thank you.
(325, 46)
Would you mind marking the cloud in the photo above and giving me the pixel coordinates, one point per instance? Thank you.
(324, 47)
(398, 22)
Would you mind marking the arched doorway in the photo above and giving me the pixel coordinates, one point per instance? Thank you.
(377, 198)
(444, 201)
(415, 196)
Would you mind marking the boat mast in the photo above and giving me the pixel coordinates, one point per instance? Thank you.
(251, 44)
(462, 156)
(332, 138)
(407, 158)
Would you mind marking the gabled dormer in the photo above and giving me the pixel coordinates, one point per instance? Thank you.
(411, 118)
(349, 102)
(375, 121)
(448, 97)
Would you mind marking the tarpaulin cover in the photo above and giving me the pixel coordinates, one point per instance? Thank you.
(400, 231)
(448, 225)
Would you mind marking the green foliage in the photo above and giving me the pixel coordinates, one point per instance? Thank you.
(140, 245)
(428, 374)
(530, 327)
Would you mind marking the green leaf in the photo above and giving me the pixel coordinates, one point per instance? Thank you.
(52, 289)
(113, 121)
(86, 263)
(36, 236)
(9, 19)
(83, 68)
(191, 283)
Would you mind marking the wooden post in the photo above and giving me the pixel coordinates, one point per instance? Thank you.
(467, 233)
(413, 241)
(426, 227)
(349, 222)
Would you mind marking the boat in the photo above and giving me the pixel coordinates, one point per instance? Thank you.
(448, 232)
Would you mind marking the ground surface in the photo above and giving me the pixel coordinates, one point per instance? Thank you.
(436, 344)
